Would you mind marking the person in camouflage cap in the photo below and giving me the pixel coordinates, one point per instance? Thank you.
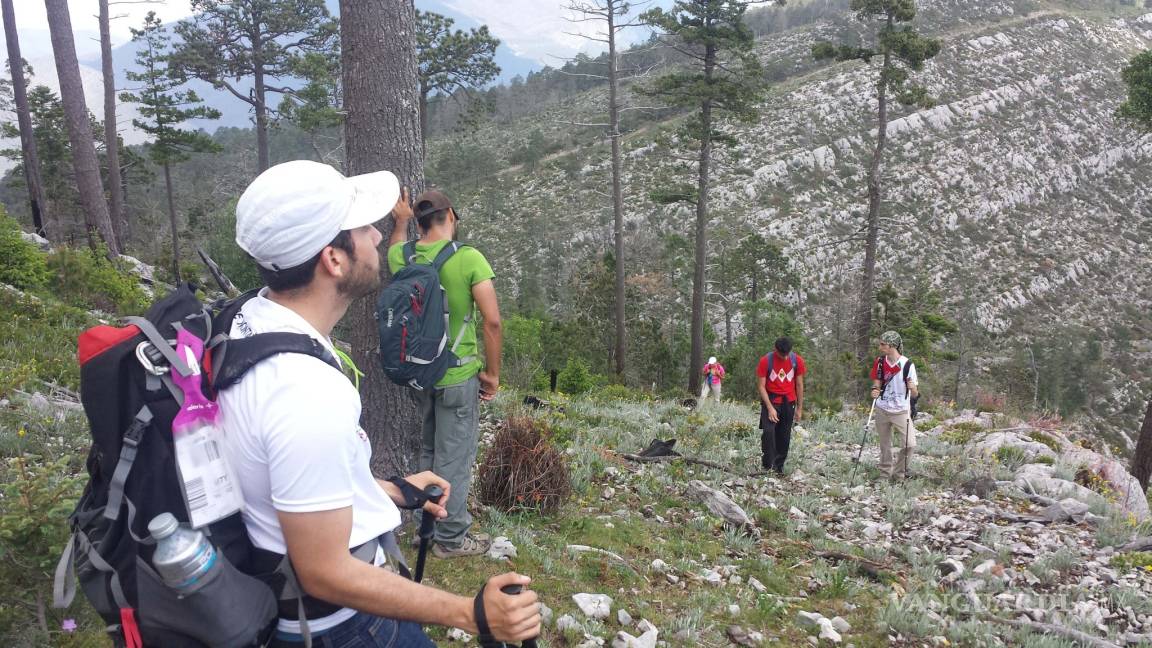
(894, 385)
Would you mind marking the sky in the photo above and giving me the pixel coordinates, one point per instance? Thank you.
(32, 24)
(533, 29)
(538, 29)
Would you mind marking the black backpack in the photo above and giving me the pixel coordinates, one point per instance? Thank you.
(912, 400)
(130, 402)
(412, 316)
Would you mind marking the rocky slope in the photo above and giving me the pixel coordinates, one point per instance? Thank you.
(1019, 196)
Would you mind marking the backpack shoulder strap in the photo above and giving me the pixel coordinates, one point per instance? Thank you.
(906, 369)
(771, 358)
(792, 358)
(233, 358)
(446, 253)
(226, 310)
(409, 252)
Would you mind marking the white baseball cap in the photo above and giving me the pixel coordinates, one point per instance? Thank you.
(293, 210)
(712, 360)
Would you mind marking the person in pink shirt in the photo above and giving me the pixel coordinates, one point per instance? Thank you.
(713, 376)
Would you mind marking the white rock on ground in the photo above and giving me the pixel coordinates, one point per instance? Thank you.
(828, 632)
(595, 606)
(566, 623)
(501, 549)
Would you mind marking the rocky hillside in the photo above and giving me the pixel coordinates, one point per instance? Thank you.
(1010, 535)
(1019, 197)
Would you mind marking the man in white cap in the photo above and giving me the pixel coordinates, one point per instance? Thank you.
(713, 376)
(292, 424)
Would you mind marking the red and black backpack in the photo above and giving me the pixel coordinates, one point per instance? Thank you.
(130, 401)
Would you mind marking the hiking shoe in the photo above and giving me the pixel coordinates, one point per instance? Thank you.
(471, 546)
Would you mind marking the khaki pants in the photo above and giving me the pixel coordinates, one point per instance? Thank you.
(887, 425)
(715, 387)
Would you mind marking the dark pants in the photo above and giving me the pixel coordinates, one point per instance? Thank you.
(366, 631)
(776, 437)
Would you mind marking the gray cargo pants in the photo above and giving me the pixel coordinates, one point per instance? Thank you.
(451, 417)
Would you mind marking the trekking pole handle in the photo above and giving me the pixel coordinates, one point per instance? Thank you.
(513, 590)
(428, 521)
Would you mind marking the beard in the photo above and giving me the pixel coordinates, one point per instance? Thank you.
(363, 281)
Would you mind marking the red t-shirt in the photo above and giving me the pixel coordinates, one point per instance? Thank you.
(782, 382)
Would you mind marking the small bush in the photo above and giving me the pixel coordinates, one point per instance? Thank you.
(1011, 457)
(86, 278)
(523, 470)
(1135, 560)
(1046, 460)
(21, 263)
(574, 378)
(961, 433)
(615, 392)
(1040, 437)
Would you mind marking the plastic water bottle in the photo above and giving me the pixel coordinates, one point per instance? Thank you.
(184, 557)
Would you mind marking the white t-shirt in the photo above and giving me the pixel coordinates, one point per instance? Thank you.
(895, 397)
(293, 433)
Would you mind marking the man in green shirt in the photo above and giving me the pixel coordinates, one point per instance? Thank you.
(450, 412)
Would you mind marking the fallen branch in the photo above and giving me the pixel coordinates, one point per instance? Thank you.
(1052, 629)
(604, 552)
(1139, 544)
(666, 459)
(874, 569)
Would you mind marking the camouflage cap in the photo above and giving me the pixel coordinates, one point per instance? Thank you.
(892, 338)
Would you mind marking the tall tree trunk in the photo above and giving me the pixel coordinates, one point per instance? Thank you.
(111, 139)
(1142, 458)
(37, 203)
(697, 355)
(423, 116)
(261, 107)
(172, 223)
(617, 190)
(868, 277)
(84, 162)
(382, 131)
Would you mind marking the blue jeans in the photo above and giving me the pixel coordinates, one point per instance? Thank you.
(366, 631)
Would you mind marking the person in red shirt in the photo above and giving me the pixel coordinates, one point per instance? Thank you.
(780, 381)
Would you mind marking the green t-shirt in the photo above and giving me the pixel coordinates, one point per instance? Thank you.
(463, 270)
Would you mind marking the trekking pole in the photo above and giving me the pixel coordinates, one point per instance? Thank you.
(867, 424)
(427, 528)
(486, 641)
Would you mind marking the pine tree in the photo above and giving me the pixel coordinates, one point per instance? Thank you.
(901, 50)
(1137, 109)
(111, 139)
(163, 108)
(382, 128)
(226, 42)
(723, 76)
(450, 60)
(29, 156)
(79, 124)
(614, 16)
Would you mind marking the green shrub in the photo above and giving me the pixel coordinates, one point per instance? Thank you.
(961, 433)
(1040, 437)
(574, 378)
(87, 279)
(1134, 560)
(21, 263)
(523, 352)
(618, 392)
(38, 342)
(1011, 457)
(1046, 460)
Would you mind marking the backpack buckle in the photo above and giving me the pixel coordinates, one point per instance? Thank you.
(151, 358)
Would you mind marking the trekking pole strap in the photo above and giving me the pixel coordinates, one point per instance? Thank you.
(485, 638)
